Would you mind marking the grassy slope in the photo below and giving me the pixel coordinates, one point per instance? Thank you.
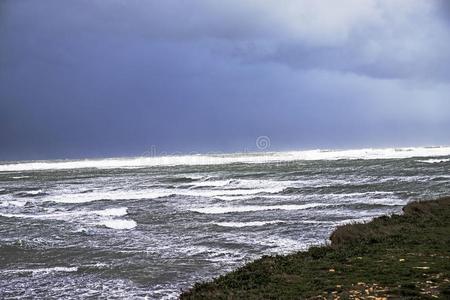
(404, 257)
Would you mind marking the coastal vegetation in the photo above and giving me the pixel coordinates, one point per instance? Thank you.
(403, 256)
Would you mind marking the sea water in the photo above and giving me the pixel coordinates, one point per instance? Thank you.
(151, 226)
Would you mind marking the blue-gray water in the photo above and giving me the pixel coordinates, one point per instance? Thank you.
(149, 227)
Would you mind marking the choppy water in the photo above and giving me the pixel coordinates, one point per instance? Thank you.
(149, 227)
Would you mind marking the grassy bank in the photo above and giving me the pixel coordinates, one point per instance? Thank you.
(401, 257)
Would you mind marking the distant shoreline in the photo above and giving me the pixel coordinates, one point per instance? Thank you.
(400, 256)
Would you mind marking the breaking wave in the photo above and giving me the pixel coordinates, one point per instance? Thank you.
(118, 224)
(248, 224)
(253, 158)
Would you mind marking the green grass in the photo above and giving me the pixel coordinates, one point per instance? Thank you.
(398, 257)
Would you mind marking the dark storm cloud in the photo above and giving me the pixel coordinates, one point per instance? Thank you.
(100, 78)
(444, 7)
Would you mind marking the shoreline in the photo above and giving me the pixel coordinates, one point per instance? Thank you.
(403, 256)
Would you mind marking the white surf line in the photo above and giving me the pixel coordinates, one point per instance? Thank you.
(143, 162)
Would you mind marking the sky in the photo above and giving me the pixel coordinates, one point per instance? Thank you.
(96, 78)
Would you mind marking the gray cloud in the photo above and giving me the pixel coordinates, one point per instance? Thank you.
(372, 37)
(101, 78)
(444, 7)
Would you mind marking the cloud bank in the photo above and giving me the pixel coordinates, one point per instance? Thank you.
(101, 78)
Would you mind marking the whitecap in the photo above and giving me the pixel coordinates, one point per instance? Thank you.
(118, 224)
(434, 161)
(43, 270)
(55, 269)
(250, 208)
(386, 202)
(352, 221)
(17, 203)
(154, 194)
(66, 215)
(338, 223)
(247, 224)
(33, 192)
(81, 230)
(210, 183)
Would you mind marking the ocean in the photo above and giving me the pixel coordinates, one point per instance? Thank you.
(149, 227)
